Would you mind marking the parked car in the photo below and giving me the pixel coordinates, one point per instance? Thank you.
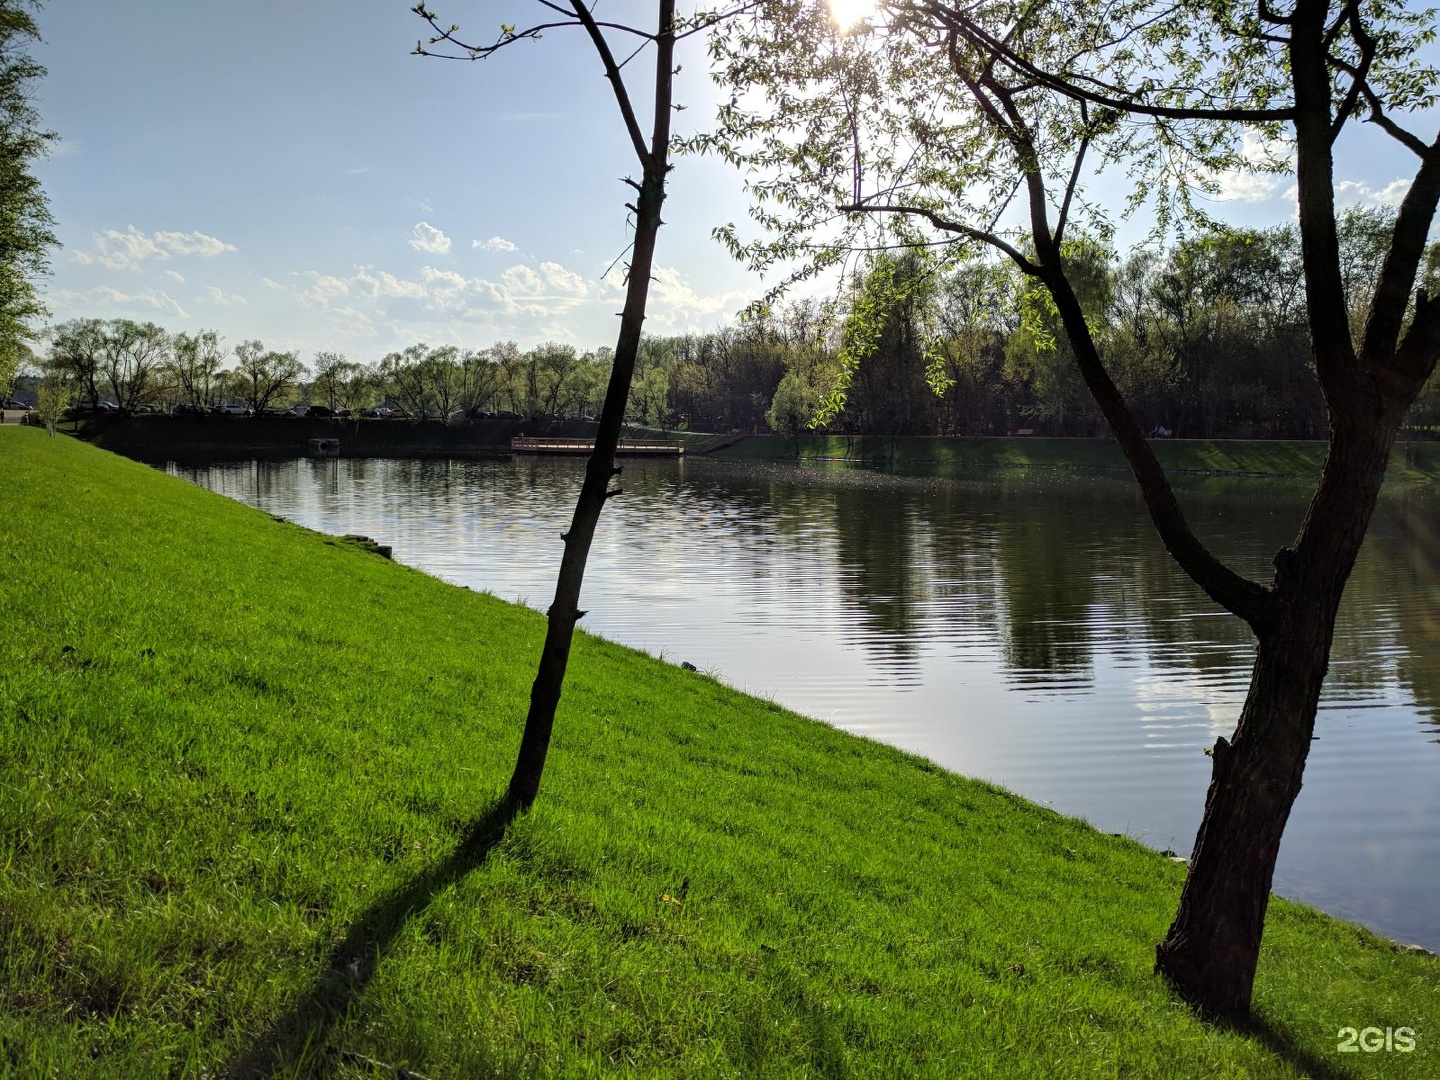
(320, 411)
(232, 410)
(378, 413)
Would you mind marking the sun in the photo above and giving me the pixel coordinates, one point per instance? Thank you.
(849, 12)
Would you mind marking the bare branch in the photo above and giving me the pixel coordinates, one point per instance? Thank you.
(508, 35)
(617, 81)
(1366, 44)
(1063, 217)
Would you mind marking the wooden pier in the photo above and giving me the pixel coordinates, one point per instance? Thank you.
(529, 444)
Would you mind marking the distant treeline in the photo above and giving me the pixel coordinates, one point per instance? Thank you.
(1208, 340)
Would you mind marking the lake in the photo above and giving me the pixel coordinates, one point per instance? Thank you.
(1024, 627)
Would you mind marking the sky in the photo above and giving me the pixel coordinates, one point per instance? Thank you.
(289, 172)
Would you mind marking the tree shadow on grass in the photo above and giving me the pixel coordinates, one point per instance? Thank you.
(1283, 1044)
(296, 1043)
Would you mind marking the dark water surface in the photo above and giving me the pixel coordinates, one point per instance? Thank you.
(1026, 628)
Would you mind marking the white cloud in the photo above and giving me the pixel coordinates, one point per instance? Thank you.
(361, 170)
(383, 285)
(1267, 164)
(171, 275)
(1238, 186)
(118, 250)
(324, 289)
(550, 279)
(425, 237)
(547, 294)
(213, 295)
(495, 243)
(521, 280)
(563, 281)
(191, 243)
(353, 323)
(1359, 193)
(272, 285)
(675, 307)
(111, 301)
(1272, 158)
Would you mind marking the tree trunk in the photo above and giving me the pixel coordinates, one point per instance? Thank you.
(564, 609)
(1211, 950)
(1212, 947)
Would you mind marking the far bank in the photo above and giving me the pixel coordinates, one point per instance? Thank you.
(233, 438)
(1410, 462)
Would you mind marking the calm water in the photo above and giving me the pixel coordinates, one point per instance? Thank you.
(1027, 629)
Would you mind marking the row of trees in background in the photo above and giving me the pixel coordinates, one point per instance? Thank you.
(139, 366)
(1207, 340)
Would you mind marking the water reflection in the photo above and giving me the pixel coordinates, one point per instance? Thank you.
(1028, 629)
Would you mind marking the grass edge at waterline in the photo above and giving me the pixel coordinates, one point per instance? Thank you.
(1290, 459)
(240, 763)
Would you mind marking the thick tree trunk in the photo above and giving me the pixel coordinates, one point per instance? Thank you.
(1213, 946)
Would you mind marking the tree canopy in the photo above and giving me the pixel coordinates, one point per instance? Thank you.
(26, 226)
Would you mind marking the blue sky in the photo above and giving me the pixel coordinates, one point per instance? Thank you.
(289, 172)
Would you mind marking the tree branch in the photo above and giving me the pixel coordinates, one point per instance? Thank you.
(1234, 592)
(1329, 317)
(1402, 262)
(1366, 44)
(987, 43)
(946, 225)
(1064, 215)
(617, 81)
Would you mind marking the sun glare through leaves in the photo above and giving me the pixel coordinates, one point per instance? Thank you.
(849, 12)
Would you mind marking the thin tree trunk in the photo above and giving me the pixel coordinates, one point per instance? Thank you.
(564, 610)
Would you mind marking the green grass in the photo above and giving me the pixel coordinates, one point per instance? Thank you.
(244, 777)
(1411, 462)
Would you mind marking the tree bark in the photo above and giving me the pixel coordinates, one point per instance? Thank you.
(1212, 949)
(595, 490)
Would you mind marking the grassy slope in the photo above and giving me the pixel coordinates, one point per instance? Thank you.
(1274, 457)
(237, 758)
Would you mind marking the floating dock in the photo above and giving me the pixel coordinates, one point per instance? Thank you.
(529, 444)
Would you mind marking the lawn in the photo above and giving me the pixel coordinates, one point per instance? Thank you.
(248, 826)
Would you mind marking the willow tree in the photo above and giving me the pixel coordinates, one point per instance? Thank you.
(987, 123)
(652, 154)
